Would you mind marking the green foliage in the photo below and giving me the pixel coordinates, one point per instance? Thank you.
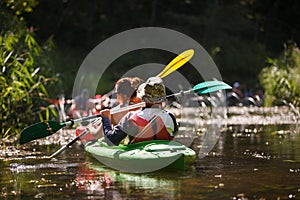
(281, 79)
(19, 7)
(23, 81)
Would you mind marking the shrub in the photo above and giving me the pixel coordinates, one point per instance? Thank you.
(281, 79)
(23, 82)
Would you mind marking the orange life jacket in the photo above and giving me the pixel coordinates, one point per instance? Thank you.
(154, 131)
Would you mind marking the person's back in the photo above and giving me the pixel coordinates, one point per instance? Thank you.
(152, 122)
(149, 124)
(236, 89)
(81, 105)
(125, 90)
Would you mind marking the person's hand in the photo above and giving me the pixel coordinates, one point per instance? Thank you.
(95, 128)
(105, 113)
(92, 128)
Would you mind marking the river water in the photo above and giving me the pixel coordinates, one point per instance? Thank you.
(249, 161)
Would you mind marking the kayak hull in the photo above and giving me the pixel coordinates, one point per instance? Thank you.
(142, 157)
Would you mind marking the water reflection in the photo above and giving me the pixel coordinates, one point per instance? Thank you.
(249, 161)
(256, 165)
(280, 140)
(96, 180)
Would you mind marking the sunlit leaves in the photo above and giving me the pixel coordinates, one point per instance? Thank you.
(20, 7)
(10, 41)
(24, 97)
(281, 78)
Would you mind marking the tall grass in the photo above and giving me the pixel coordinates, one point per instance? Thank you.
(23, 81)
(281, 78)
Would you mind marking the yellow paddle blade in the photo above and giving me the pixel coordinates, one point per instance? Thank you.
(177, 62)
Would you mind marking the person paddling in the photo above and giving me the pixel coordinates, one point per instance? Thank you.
(150, 123)
(135, 83)
(81, 105)
(125, 89)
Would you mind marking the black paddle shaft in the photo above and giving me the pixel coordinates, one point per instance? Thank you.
(69, 144)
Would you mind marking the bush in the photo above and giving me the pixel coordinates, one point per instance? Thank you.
(281, 79)
(22, 83)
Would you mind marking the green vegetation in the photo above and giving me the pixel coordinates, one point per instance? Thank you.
(239, 35)
(23, 72)
(281, 79)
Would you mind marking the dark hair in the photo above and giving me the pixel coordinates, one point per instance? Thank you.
(136, 82)
(123, 86)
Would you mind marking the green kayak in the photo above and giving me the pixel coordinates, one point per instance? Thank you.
(142, 157)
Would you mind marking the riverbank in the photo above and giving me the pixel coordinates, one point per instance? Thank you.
(262, 115)
(236, 115)
(200, 116)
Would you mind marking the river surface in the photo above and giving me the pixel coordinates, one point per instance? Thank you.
(249, 161)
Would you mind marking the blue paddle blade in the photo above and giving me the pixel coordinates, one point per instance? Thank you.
(208, 84)
(213, 89)
(204, 87)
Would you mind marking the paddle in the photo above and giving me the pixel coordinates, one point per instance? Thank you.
(204, 88)
(201, 88)
(73, 141)
(177, 62)
(46, 128)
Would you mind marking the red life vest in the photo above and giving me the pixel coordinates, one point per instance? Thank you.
(154, 131)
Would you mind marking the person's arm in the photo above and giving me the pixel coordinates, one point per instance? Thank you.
(112, 136)
(116, 135)
(96, 130)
